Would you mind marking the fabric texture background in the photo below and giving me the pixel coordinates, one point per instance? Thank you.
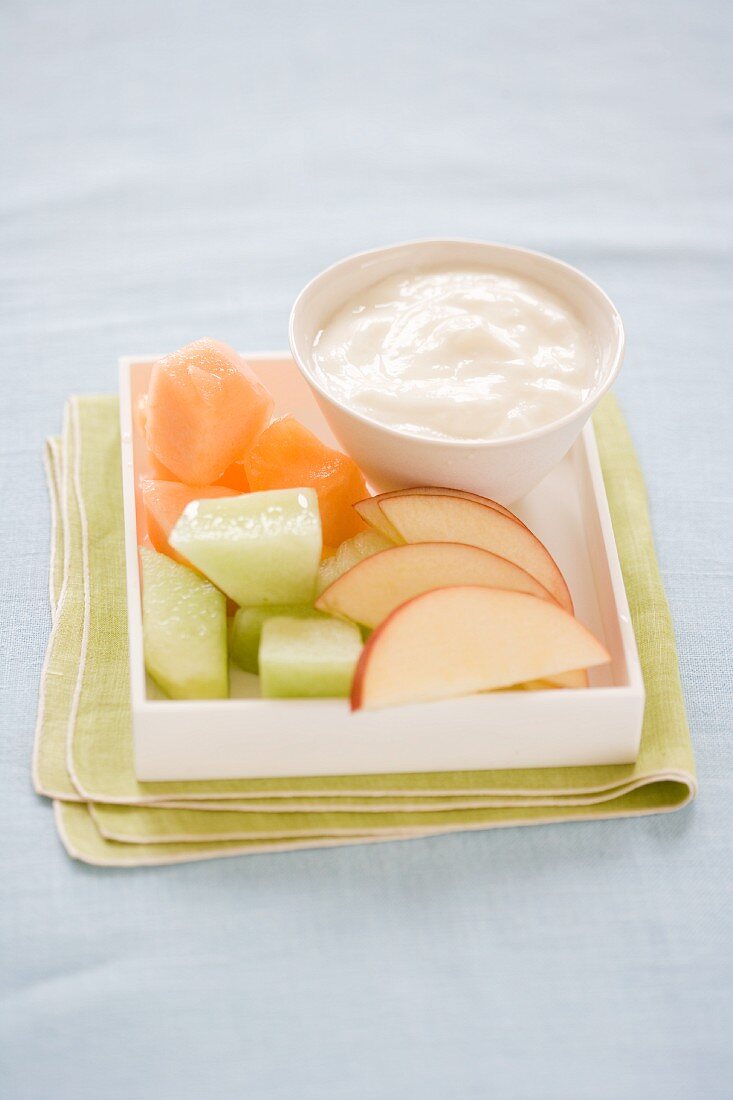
(175, 170)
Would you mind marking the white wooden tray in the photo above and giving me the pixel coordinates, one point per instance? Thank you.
(247, 737)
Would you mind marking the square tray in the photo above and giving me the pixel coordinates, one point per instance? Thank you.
(248, 737)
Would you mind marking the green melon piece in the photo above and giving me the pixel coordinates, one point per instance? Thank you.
(260, 548)
(184, 630)
(350, 553)
(245, 630)
(308, 658)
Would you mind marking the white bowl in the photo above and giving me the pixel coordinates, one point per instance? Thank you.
(503, 469)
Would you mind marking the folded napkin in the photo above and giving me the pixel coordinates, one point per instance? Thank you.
(83, 748)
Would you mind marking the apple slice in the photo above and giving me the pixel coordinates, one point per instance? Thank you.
(575, 678)
(425, 518)
(373, 588)
(372, 514)
(457, 641)
(578, 678)
(433, 491)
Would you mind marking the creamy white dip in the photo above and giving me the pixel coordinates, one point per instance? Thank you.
(457, 353)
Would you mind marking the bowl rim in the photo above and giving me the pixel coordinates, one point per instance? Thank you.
(586, 406)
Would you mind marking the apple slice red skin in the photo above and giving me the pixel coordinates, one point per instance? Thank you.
(427, 490)
(446, 491)
(365, 509)
(562, 595)
(357, 688)
(323, 603)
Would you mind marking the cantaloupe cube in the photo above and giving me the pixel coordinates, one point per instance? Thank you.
(184, 630)
(234, 477)
(205, 408)
(156, 471)
(287, 455)
(164, 502)
(308, 658)
(259, 548)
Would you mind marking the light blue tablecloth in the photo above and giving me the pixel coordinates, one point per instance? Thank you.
(179, 169)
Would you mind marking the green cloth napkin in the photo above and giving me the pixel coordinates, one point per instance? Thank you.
(83, 751)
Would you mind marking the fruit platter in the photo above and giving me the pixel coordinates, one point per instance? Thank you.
(286, 617)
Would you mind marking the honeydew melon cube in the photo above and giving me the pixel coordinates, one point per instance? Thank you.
(184, 630)
(245, 630)
(350, 553)
(261, 548)
(308, 658)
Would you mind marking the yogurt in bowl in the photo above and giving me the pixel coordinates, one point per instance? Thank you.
(457, 352)
(457, 363)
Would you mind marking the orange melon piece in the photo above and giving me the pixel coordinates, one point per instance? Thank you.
(141, 412)
(157, 471)
(235, 477)
(204, 410)
(288, 456)
(163, 503)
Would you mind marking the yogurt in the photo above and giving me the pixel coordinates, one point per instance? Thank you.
(457, 352)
